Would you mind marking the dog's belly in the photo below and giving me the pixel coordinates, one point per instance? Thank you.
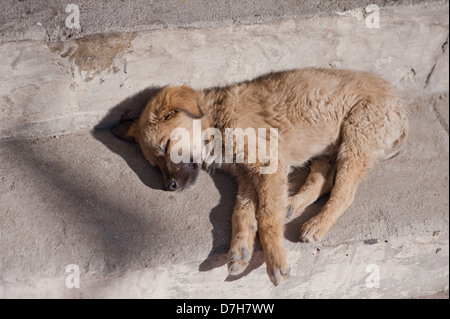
(299, 145)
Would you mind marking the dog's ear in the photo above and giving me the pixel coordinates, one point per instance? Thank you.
(182, 98)
(126, 130)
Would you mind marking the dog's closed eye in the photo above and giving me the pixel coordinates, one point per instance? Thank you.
(166, 149)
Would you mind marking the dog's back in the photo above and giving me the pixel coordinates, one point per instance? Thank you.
(309, 107)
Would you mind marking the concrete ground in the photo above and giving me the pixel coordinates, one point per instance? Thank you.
(92, 200)
(72, 194)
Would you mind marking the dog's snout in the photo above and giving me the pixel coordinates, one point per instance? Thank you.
(172, 185)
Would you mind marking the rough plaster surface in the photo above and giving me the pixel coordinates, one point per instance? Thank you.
(49, 88)
(92, 200)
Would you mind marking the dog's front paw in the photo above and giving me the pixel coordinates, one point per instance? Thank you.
(278, 271)
(239, 256)
(313, 230)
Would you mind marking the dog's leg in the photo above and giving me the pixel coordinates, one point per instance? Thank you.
(357, 154)
(319, 183)
(273, 198)
(366, 137)
(349, 173)
(244, 227)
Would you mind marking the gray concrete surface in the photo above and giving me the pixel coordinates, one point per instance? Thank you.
(92, 200)
(45, 19)
(72, 194)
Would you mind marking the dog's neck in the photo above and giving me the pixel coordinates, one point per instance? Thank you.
(211, 102)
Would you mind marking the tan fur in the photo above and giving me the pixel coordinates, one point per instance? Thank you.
(344, 121)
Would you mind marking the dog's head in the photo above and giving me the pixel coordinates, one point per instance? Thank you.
(171, 108)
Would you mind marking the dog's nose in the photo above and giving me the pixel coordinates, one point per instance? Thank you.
(172, 185)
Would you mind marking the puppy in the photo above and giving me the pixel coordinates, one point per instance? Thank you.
(341, 122)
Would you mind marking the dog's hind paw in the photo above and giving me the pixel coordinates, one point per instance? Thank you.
(313, 230)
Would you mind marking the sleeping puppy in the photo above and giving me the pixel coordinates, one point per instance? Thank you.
(341, 122)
